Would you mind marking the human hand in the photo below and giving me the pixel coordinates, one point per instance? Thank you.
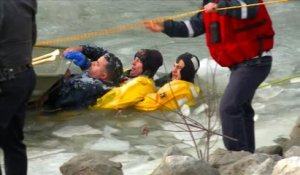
(154, 26)
(73, 49)
(67, 73)
(210, 7)
(78, 59)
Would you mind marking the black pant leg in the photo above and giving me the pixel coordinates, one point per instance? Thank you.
(13, 101)
(235, 107)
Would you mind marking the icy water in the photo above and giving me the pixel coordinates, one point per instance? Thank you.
(53, 139)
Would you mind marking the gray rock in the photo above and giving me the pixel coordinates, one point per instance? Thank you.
(288, 166)
(184, 165)
(91, 164)
(295, 134)
(221, 157)
(293, 151)
(174, 150)
(281, 140)
(258, 164)
(271, 150)
(288, 144)
(176, 162)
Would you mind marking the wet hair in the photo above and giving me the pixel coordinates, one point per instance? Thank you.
(191, 66)
(151, 60)
(114, 67)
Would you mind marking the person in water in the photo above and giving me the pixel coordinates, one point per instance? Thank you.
(138, 81)
(101, 72)
(145, 62)
(177, 89)
(185, 68)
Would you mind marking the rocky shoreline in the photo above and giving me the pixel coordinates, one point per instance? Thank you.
(283, 158)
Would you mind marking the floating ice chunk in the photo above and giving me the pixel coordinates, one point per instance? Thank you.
(130, 159)
(108, 130)
(146, 148)
(144, 167)
(209, 66)
(185, 110)
(269, 92)
(135, 123)
(37, 166)
(69, 131)
(200, 108)
(37, 153)
(182, 146)
(153, 151)
(295, 80)
(158, 133)
(110, 144)
(184, 135)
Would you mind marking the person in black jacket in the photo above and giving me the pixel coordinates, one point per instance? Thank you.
(17, 79)
(240, 39)
(101, 72)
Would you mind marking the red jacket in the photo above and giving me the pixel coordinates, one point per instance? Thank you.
(232, 41)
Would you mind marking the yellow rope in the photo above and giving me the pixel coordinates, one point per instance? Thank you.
(128, 27)
(278, 81)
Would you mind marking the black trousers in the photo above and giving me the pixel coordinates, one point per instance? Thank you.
(237, 114)
(14, 95)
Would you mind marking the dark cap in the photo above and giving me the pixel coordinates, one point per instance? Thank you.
(151, 59)
(114, 67)
(191, 66)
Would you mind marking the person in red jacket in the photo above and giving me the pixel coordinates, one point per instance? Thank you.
(240, 39)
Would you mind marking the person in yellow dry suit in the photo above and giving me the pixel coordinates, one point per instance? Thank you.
(145, 62)
(138, 82)
(178, 88)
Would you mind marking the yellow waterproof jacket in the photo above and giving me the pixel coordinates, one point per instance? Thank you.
(133, 91)
(171, 96)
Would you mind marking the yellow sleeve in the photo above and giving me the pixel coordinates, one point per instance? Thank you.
(171, 96)
(127, 95)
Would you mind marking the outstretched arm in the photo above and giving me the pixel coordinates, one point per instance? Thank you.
(92, 52)
(190, 28)
(195, 26)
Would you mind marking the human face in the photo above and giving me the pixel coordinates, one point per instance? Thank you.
(98, 69)
(136, 67)
(176, 70)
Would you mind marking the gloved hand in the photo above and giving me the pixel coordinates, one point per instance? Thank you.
(78, 59)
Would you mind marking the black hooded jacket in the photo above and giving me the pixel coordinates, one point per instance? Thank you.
(79, 91)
